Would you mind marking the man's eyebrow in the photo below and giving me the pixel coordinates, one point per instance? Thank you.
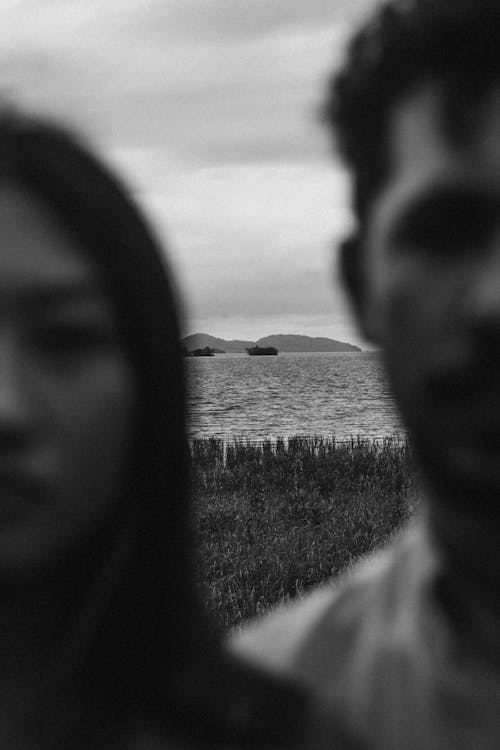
(446, 202)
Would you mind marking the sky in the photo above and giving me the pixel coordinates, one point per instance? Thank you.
(209, 109)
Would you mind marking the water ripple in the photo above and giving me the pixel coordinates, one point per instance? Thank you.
(257, 398)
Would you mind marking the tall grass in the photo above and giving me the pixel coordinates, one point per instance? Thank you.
(277, 518)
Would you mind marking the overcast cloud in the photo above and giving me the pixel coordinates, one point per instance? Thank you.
(209, 107)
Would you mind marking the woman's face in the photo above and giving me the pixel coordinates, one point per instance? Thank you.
(67, 390)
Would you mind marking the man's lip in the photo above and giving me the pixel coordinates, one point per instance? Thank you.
(473, 411)
(478, 412)
(464, 390)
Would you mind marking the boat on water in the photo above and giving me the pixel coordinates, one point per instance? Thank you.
(261, 350)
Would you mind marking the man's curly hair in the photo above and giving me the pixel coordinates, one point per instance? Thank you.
(455, 43)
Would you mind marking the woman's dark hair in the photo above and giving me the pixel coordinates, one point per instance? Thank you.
(142, 647)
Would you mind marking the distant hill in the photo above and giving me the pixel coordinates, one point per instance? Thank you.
(292, 343)
(282, 342)
(200, 340)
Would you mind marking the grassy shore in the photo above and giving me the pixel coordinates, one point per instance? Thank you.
(275, 519)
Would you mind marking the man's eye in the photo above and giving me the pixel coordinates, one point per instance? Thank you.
(448, 228)
(447, 235)
(451, 237)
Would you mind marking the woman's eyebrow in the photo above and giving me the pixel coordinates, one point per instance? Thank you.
(55, 295)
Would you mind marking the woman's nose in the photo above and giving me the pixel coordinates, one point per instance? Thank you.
(15, 404)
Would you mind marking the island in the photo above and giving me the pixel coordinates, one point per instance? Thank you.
(205, 352)
(281, 342)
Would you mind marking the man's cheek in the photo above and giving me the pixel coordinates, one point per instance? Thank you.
(415, 308)
(404, 321)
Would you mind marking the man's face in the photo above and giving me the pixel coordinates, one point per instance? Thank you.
(432, 257)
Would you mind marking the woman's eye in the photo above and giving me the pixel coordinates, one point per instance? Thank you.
(63, 340)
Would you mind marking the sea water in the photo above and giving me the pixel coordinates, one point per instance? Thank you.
(256, 398)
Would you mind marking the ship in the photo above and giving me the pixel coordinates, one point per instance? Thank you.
(261, 350)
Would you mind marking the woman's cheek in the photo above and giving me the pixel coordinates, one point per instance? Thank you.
(93, 443)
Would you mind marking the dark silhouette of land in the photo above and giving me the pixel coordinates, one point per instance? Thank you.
(282, 342)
